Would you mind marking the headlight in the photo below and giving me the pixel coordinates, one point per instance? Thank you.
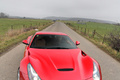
(31, 73)
(96, 74)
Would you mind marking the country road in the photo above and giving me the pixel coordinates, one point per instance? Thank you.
(9, 62)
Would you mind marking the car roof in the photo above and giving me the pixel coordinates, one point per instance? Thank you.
(52, 33)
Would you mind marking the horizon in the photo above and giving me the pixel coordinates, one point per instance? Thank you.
(106, 21)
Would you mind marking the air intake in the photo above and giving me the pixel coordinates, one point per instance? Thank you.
(83, 53)
(66, 69)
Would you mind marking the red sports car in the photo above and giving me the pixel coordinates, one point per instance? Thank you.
(54, 56)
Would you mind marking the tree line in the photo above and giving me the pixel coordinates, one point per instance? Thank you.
(3, 15)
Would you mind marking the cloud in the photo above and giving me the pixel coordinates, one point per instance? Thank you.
(100, 9)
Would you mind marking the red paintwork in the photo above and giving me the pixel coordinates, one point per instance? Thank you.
(46, 62)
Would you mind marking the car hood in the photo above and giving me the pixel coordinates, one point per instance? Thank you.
(57, 64)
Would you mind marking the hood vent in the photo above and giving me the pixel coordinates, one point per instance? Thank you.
(66, 69)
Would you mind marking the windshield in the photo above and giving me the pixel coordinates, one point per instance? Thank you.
(52, 42)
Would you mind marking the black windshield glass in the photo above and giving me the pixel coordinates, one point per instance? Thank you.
(52, 42)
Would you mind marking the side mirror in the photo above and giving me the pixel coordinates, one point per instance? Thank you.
(77, 42)
(25, 42)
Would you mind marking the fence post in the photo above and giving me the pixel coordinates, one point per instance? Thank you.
(23, 26)
(85, 31)
(11, 27)
(75, 28)
(0, 38)
(94, 33)
(81, 29)
(88, 31)
(31, 25)
(103, 39)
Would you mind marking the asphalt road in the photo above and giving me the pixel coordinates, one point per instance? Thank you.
(9, 62)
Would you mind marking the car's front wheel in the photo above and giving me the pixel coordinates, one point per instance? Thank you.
(18, 74)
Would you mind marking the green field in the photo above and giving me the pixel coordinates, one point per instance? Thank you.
(13, 31)
(101, 36)
(88, 28)
(6, 24)
(100, 28)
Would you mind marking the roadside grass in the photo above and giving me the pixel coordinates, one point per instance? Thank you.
(101, 28)
(87, 30)
(7, 24)
(10, 37)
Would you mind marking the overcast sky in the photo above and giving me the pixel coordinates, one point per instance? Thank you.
(94, 9)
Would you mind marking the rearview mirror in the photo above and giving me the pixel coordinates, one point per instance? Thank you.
(25, 42)
(77, 42)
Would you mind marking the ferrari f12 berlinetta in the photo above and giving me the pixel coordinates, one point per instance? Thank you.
(54, 56)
